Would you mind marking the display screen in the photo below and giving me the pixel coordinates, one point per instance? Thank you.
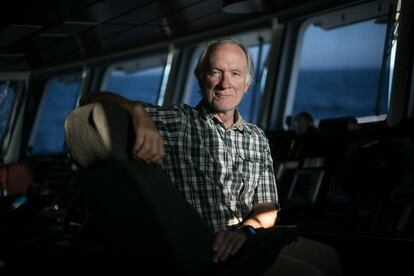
(373, 170)
(305, 186)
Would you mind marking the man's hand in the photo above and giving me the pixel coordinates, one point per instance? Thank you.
(148, 145)
(227, 243)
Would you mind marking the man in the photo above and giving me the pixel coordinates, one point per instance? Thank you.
(219, 162)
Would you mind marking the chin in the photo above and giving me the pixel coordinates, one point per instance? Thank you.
(223, 107)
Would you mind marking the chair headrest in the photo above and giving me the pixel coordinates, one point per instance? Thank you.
(98, 132)
(338, 124)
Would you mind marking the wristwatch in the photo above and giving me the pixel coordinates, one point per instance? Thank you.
(248, 230)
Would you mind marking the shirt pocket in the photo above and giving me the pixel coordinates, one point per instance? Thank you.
(251, 156)
(250, 165)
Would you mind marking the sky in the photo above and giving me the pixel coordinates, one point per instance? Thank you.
(354, 46)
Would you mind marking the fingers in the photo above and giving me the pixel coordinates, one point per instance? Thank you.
(149, 146)
(218, 240)
(227, 243)
(139, 140)
(237, 245)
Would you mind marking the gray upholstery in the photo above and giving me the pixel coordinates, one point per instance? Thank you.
(97, 132)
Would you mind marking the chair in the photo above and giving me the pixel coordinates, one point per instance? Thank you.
(141, 220)
(342, 124)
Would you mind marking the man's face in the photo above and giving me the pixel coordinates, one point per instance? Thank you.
(225, 81)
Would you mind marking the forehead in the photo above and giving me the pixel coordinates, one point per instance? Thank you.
(228, 53)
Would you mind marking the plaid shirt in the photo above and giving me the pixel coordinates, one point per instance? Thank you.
(221, 172)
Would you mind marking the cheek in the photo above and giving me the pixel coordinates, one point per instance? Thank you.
(207, 91)
(243, 89)
(210, 84)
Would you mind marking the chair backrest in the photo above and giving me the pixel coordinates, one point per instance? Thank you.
(338, 124)
(98, 132)
(136, 211)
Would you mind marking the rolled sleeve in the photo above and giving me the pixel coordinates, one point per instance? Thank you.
(168, 120)
(266, 191)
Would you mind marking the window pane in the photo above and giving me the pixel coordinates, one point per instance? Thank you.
(250, 104)
(7, 97)
(340, 71)
(58, 100)
(195, 96)
(139, 80)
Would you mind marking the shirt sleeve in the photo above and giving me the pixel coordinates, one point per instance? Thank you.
(266, 190)
(168, 120)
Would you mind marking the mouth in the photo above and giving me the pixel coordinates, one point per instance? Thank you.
(223, 93)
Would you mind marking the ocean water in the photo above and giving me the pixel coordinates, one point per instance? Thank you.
(338, 93)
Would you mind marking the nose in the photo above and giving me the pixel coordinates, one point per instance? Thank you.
(225, 81)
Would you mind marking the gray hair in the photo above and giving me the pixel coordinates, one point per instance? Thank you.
(203, 63)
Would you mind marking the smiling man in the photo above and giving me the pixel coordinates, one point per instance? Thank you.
(219, 162)
(224, 74)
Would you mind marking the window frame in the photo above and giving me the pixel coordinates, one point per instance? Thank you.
(294, 40)
(146, 60)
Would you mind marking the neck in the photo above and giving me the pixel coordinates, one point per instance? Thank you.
(227, 118)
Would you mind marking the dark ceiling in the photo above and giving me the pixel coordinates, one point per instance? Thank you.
(49, 32)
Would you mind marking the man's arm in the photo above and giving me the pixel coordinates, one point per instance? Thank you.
(228, 243)
(263, 216)
(148, 145)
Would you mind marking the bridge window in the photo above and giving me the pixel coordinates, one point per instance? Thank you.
(59, 98)
(259, 46)
(344, 71)
(139, 80)
(7, 98)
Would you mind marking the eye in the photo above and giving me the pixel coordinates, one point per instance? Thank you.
(236, 74)
(215, 73)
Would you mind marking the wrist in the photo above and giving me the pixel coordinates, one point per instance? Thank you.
(248, 230)
(138, 115)
(135, 109)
